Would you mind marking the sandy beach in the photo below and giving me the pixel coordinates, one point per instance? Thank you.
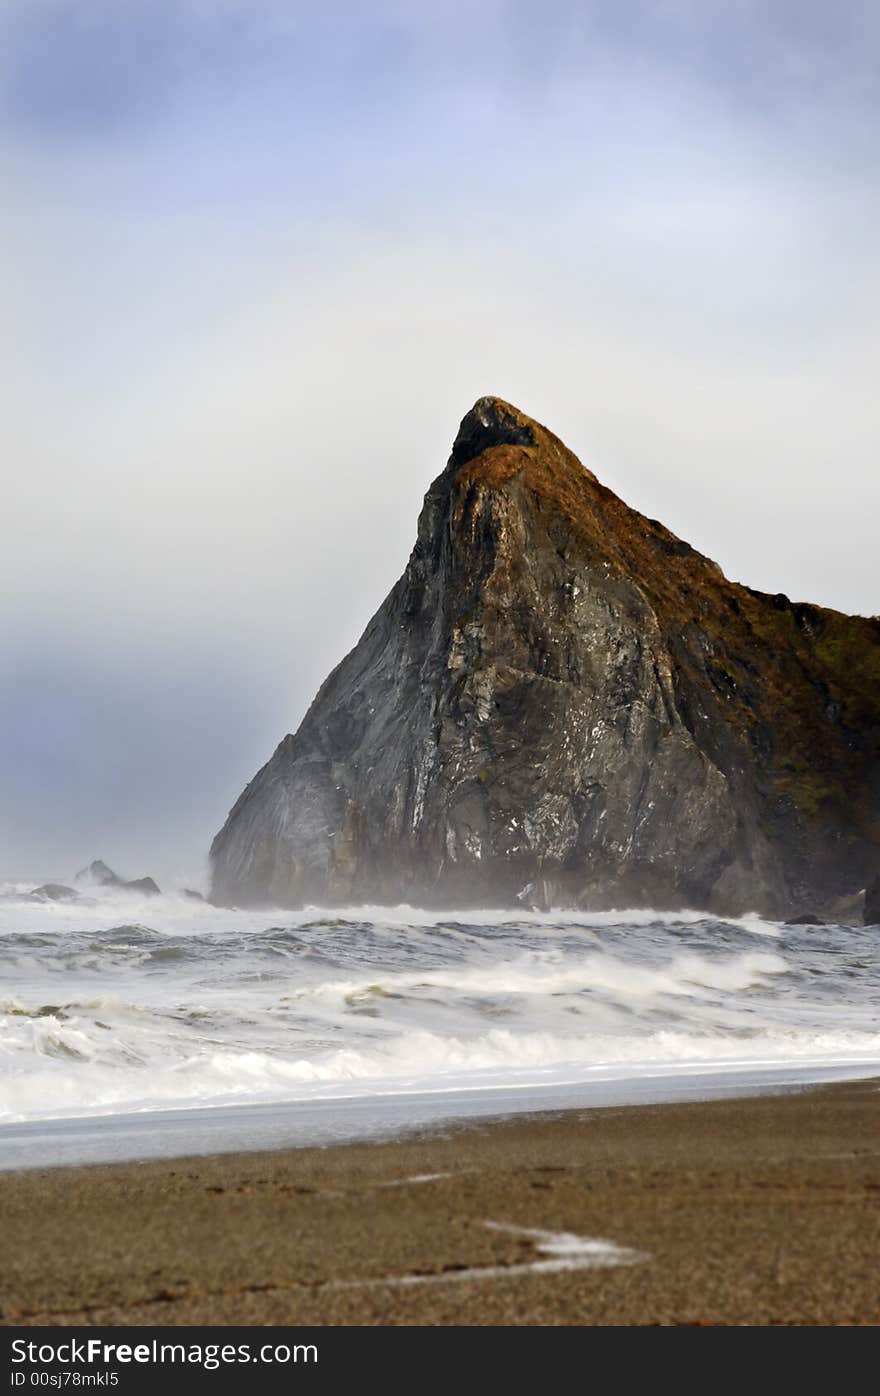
(742, 1211)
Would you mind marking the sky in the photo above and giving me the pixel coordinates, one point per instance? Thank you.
(258, 258)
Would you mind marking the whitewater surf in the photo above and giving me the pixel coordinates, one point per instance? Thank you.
(135, 1007)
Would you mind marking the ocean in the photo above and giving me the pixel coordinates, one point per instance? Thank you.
(141, 1026)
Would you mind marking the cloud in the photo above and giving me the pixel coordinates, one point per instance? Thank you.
(244, 315)
(87, 68)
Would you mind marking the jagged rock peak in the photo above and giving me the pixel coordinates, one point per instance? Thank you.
(99, 873)
(561, 702)
(491, 422)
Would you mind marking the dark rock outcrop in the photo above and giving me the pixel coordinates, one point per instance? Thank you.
(54, 892)
(99, 875)
(144, 885)
(561, 703)
(872, 902)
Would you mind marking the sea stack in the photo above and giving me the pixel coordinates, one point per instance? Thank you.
(560, 703)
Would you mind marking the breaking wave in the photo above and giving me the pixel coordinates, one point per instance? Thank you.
(124, 1003)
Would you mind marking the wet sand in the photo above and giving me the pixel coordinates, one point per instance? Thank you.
(738, 1211)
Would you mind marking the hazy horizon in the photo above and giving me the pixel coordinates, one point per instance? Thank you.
(258, 264)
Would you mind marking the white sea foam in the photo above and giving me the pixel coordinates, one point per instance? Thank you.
(54, 1082)
(131, 1003)
(177, 913)
(556, 1252)
(536, 975)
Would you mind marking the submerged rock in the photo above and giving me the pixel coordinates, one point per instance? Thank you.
(561, 703)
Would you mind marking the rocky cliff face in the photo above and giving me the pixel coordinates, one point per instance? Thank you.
(561, 703)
